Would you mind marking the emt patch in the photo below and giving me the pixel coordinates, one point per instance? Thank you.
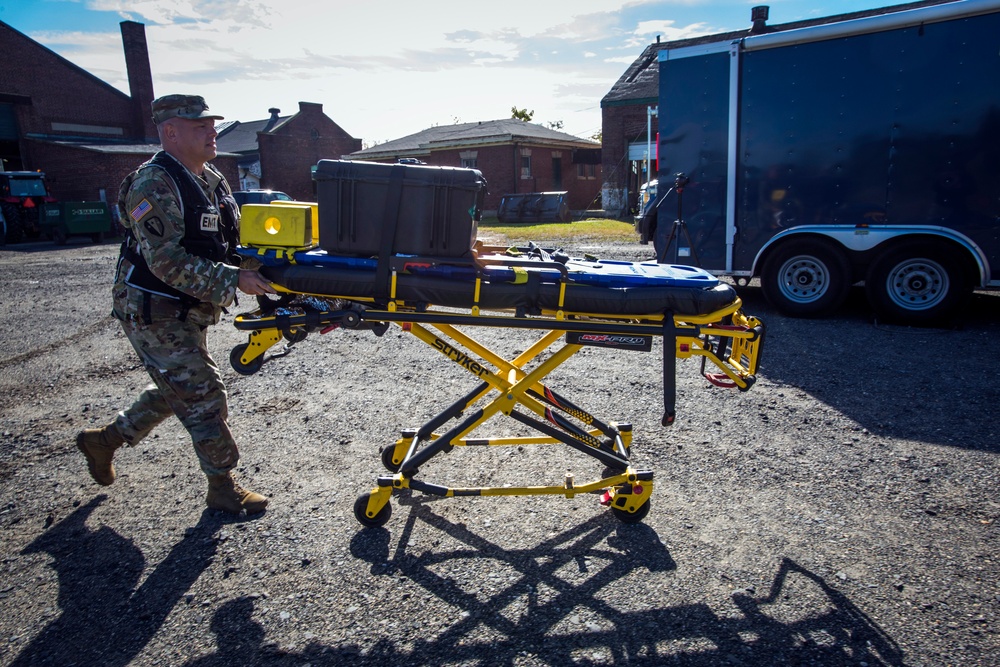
(142, 209)
(209, 222)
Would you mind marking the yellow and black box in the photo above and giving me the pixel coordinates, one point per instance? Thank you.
(290, 225)
(315, 214)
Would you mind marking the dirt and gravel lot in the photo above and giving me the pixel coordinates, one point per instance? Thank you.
(843, 512)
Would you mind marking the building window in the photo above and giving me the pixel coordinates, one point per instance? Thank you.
(470, 159)
(525, 163)
(586, 171)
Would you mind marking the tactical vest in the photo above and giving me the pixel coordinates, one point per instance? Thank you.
(217, 246)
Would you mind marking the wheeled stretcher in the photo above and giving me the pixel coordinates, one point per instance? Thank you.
(571, 302)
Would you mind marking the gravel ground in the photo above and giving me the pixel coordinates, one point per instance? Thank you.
(843, 512)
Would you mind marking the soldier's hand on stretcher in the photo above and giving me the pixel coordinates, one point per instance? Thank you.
(254, 284)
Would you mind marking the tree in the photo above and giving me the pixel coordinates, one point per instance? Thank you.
(555, 124)
(522, 114)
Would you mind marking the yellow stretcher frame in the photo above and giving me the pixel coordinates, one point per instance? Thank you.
(727, 339)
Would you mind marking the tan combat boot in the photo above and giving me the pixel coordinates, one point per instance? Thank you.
(226, 495)
(99, 445)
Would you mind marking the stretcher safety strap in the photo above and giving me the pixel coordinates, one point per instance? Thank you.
(390, 221)
(669, 369)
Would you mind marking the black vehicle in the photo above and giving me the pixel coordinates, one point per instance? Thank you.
(855, 150)
(259, 196)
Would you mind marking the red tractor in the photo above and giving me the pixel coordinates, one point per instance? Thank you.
(23, 197)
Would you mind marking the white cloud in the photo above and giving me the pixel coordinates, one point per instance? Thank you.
(386, 68)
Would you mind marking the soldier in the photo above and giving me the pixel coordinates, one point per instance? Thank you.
(176, 272)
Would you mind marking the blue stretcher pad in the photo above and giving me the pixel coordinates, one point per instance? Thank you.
(517, 281)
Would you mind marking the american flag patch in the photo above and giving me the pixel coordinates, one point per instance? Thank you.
(142, 209)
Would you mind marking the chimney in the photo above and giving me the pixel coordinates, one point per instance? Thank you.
(274, 111)
(140, 79)
(310, 108)
(759, 16)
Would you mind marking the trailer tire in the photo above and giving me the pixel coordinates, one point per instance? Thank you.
(806, 278)
(918, 282)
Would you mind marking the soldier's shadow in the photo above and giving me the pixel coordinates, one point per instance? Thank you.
(108, 616)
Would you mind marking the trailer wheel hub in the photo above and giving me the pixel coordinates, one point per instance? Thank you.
(803, 279)
(918, 283)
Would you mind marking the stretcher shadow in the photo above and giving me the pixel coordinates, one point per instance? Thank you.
(556, 602)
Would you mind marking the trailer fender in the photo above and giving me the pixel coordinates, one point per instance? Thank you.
(860, 239)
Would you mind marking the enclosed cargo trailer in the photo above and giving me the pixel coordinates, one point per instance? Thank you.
(857, 150)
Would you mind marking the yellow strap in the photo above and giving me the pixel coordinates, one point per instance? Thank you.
(520, 275)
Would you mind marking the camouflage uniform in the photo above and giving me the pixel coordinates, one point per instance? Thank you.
(170, 342)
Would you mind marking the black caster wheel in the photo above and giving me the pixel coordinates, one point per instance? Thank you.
(631, 517)
(387, 461)
(351, 320)
(295, 335)
(235, 360)
(361, 506)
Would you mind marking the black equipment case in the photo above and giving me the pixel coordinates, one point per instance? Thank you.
(375, 209)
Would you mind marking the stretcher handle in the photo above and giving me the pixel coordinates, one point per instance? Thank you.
(533, 263)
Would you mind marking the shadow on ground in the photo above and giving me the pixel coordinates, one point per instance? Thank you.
(921, 383)
(556, 606)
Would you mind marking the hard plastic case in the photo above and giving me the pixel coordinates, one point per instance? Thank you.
(369, 209)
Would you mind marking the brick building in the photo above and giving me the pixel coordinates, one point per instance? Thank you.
(278, 153)
(83, 133)
(513, 156)
(628, 127)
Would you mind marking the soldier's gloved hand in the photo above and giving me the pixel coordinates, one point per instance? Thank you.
(254, 284)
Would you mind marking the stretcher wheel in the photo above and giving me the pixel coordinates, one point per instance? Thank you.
(351, 320)
(235, 360)
(387, 461)
(380, 519)
(622, 515)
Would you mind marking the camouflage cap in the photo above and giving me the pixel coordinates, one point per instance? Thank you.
(181, 106)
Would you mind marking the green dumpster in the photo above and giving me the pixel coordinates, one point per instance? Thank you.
(80, 218)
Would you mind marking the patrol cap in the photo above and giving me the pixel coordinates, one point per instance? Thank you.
(192, 107)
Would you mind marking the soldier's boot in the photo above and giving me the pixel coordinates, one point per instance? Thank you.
(226, 495)
(99, 445)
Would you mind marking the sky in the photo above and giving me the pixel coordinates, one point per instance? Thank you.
(384, 69)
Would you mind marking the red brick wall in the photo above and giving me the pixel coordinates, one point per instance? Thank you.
(59, 91)
(46, 89)
(79, 174)
(501, 167)
(621, 125)
(288, 153)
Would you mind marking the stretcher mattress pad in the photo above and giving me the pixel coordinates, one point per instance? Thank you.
(591, 286)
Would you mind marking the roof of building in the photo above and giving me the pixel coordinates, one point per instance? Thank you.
(117, 148)
(640, 82)
(241, 137)
(505, 130)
